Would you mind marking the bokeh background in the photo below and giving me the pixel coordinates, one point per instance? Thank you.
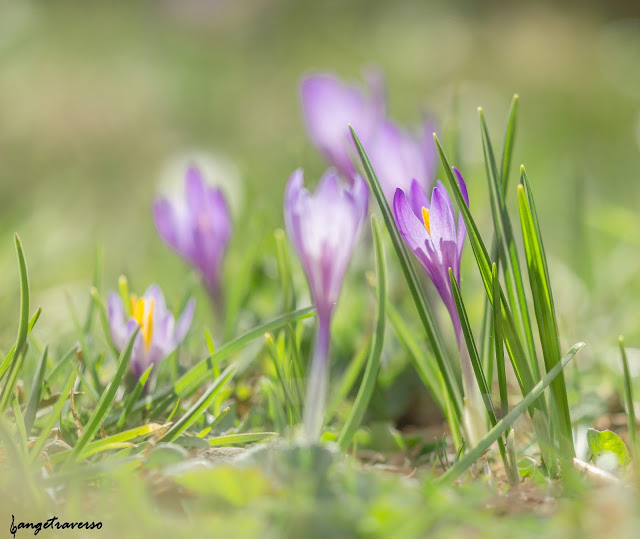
(102, 104)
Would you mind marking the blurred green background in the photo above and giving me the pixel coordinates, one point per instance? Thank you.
(101, 104)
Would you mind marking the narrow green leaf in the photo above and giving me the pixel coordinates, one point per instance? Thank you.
(424, 311)
(348, 380)
(507, 247)
(628, 397)
(475, 362)
(240, 439)
(544, 308)
(509, 141)
(373, 364)
(499, 346)
(36, 392)
(133, 397)
(53, 417)
(106, 401)
(199, 407)
(24, 297)
(294, 409)
(505, 423)
(201, 371)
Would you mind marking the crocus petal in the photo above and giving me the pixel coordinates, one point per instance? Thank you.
(159, 304)
(329, 107)
(117, 324)
(417, 199)
(411, 229)
(195, 190)
(184, 322)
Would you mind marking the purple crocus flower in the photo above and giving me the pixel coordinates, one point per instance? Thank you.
(330, 106)
(398, 157)
(199, 230)
(429, 229)
(159, 333)
(323, 228)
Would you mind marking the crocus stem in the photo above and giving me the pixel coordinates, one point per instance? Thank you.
(474, 417)
(318, 382)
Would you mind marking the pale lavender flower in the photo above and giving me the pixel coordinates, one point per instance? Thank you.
(323, 227)
(329, 106)
(159, 334)
(398, 157)
(198, 230)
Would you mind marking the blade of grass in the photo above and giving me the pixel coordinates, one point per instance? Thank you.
(424, 311)
(199, 407)
(499, 346)
(544, 308)
(348, 380)
(199, 372)
(294, 410)
(628, 397)
(6, 362)
(507, 153)
(507, 248)
(475, 362)
(106, 401)
(133, 397)
(53, 417)
(505, 423)
(36, 392)
(239, 439)
(373, 364)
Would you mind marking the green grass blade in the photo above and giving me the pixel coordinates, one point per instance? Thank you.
(36, 392)
(424, 311)
(199, 407)
(106, 401)
(373, 364)
(507, 247)
(53, 417)
(348, 380)
(628, 397)
(476, 364)
(240, 439)
(133, 397)
(509, 141)
(6, 362)
(544, 308)
(294, 409)
(200, 372)
(505, 423)
(24, 297)
(12, 379)
(499, 346)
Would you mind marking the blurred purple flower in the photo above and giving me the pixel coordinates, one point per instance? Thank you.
(398, 157)
(330, 106)
(429, 229)
(323, 228)
(159, 333)
(198, 230)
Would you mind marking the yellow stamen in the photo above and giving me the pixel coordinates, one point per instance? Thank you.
(425, 218)
(142, 312)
